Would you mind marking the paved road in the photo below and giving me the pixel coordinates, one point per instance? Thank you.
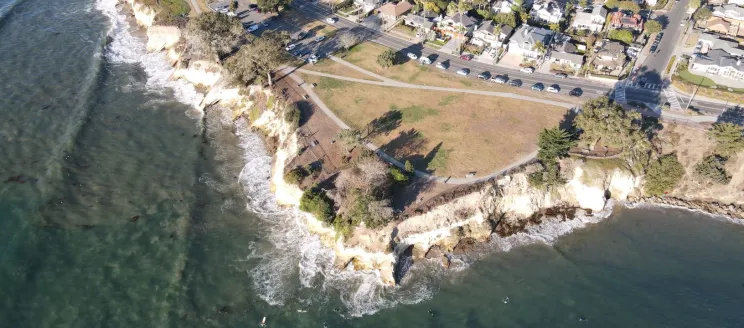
(655, 64)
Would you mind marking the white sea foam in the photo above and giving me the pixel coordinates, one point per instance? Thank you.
(125, 48)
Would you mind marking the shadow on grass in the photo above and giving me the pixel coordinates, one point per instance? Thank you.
(384, 124)
(732, 115)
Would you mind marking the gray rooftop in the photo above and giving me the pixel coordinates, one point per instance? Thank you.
(732, 47)
(531, 34)
(720, 58)
(488, 26)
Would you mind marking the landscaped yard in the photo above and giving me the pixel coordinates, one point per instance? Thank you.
(448, 133)
(688, 83)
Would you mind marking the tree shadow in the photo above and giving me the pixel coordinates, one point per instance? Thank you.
(406, 146)
(430, 157)
(407, 195)
(663, 20)
(306, 110)
(384, 124)
(732, 115)
(567, 123)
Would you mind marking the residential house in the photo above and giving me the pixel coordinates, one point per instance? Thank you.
(719, 62)
(610, 58)
(490, 34)
(718, 25)
(368, 5)
(392, 12)
(719, 2)
(731, 14)
(735, 2)
(548, 11)
(526, 37)
(593, 21)
(622, 20)
(566, 54)
(651, 3)
(457, 26)
(502, 6)
(421, 21)
(708, 42)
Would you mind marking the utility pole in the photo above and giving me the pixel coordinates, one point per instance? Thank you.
(693, 94)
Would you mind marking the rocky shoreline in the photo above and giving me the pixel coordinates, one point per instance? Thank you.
(732, 211)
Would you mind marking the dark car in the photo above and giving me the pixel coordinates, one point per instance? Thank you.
(484, 75)
(538, 87)
(653, 48)
(561, 75)
(515, 83)
(577, 92)
(466, 57)
(252, 6)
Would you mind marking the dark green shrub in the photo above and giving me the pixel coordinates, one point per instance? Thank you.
(317, 203)
(712, 168)
(663, 175)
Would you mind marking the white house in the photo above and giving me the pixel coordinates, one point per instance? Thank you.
(548, 11)
(651, 3)
(593, 20)
(719, 62)
(368, 5)
(736, 2)
(502, 6)
(490, 34)
(526, 37)
(708, 42)
(565, 53)
(457, 25)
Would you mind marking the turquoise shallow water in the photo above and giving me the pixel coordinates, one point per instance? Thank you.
(136, 212)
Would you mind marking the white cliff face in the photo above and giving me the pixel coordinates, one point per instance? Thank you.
(200, 72)
(144, 15)
(162, 37)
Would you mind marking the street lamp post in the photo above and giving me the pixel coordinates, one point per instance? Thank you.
(694, 93)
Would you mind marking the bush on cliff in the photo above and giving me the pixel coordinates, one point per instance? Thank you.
(549, 175)
(729, 138)
(295, 175)
(253, 63)
(553, 143)
(169, 12)
(712, 168)
(663, 175)
(316, 202)
(292, 116)
(212, 33)
(398, 176)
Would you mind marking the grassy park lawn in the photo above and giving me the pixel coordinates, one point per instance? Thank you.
(330, 67)
(365, 56)
(449, 134)
(688, 82)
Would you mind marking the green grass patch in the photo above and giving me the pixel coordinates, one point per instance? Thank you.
(696, 79)
(330, 83)
(449, 99)
(415, 113)
(669, 65)
(439, 161)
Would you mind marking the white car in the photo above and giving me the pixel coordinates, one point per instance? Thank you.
(320, 38)
(498, 79)
(441, 65)
(290, 47)
(313, 59)
(552, 89)
(412, 56)
(252, 27)
(463, 71)
(330, 20)
(528, 70)
(425, 60)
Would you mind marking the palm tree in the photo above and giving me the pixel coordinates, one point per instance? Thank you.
(555, 27)
(540, 47)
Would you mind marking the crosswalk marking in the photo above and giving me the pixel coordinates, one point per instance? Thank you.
(650, 86)
(672, 99)
(620, 93)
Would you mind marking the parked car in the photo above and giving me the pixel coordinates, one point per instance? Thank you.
(297, 53)
(252, 27)
(554, 88)
(412, 56)
(515, 83)
(538, 87)
(653, 48)
(320, 38)
(425, 60)
(561, 75)
(330, 20)
(313, 59)
(528, 70)
(442, 65)
(252, 6)
(576, 92)
(290, 47)
(463, 71)
(499, 79)
(466, 57)
(484, 75)
(301, 35)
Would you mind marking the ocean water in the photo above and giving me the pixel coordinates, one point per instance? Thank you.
(122, 205)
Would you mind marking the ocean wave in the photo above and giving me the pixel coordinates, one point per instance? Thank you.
(126, 48)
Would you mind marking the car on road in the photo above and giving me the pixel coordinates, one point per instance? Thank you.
(252, 27)
(252, 6)
(320, 38)
(442, 65)
(412, 56)
(425, 60)
(554, 88)
(659, 36)
(527, 70)
(653, 48)
(313, 59)
(515, 83)
(576, 92)
(290, 47)
(484, 75)
(466, 57)
(500, 79)
(330, 20)
(538, 87)
(561, 75)
(463, 71)
(297, 53)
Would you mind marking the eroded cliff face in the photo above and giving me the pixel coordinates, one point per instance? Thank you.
(144, 15)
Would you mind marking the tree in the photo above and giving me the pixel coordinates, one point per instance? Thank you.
(712, 168)
(409, 166)
(694, 4)
(374, 213)
(630, 6)
(652, 26)
(583, 3)
(397, 175)
(663, 175)
(348, 39)
(506, 19)
(555, 27)
(623, 36)
(611, 4)
(255, 61)
(233, 5)
(292, 116)
(213, 34)
(524, 17)
(702, 14)
(553, 143)
(728, 137)
(540, 47)
(387, 58)
(272, 6)
(368, 175)
(350, 138)
(317, 203)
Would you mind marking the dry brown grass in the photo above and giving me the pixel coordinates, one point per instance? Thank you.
(330, 67)
(720, 94)
(481, 134)
(691, 145)
(365, 55)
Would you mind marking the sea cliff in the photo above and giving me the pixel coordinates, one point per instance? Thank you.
(453, 223)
